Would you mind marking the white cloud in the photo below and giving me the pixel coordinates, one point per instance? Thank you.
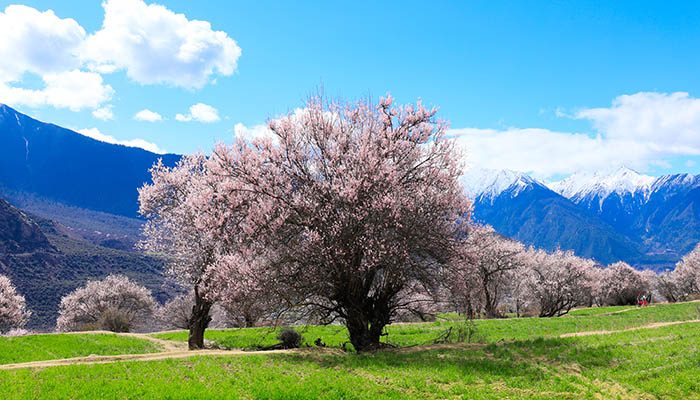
(669, 122)
(544, 153)
(200, 112)
(148, 115)
(155, 46)
(640, 131)
(74, 90)
(37, 42)
(95, 133)
(254, 132)
(690, 163)
(152, 44)
(104, 113)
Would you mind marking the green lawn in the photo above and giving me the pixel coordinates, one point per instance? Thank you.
(485, 331)
(51, 347)
(651, 363)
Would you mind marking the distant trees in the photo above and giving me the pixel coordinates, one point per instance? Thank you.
(621, 284)
(13, 310)
(487, 271)
(115, 304)
(176, 312)
(683, 281)
(556, 282)
(349, 207)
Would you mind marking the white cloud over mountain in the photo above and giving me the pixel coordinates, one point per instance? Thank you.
(639, 131)
(95, 133)
(75, 90)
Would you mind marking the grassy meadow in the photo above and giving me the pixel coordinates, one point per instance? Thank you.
(51, 347)
(511, 358)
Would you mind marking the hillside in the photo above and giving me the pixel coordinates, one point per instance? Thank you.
(62, 165)
(45, 263)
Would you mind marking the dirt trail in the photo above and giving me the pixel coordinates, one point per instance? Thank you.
(134, 357)
(648, 326)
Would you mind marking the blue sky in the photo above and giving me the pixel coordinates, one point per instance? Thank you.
(529, 86)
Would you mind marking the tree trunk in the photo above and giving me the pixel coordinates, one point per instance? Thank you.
(199, 321)
(248, 320)
(364, 332)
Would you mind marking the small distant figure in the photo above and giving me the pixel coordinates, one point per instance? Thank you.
(642, 300)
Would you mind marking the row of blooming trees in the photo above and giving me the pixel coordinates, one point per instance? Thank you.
(497, 274)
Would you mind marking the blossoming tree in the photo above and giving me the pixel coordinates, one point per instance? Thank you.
(184, 225)
(114, 304)
(556, 281)
(349, 205)
(488, 269)
(621, 284)
(13, 310)
(687, 274)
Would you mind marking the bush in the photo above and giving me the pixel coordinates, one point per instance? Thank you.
(290, 338)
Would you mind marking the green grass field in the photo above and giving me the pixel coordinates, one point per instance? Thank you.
(514, 358)
(485, 331)
(650, 363)
(51, 347)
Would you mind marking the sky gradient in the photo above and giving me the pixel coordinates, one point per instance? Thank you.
(548, 89)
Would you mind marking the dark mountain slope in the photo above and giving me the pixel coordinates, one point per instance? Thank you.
(60, 164)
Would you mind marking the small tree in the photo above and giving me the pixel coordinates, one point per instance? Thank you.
(115, 304)
(557, 281)
(13, 310)
(492, 260)
(176, 313)
(665, 285)
(348, 206)
(622, 284)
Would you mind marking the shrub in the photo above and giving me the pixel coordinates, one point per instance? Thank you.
(290, 338)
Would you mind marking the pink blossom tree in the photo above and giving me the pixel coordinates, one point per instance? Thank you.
(687, 274)
(491, 262)
(13, 310)
(348, 206)
(115, 304)
(185, 216)
(621, 284)
(556, 281)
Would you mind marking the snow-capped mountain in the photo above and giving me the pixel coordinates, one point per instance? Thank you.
(607, 215)
(521, 207)
(601, 184)
(480, 183)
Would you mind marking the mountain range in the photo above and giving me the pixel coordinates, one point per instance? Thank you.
(608, 215)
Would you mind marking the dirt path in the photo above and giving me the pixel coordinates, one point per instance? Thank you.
(134, 357)
(648, 326)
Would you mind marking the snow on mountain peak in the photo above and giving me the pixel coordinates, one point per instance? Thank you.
(490, 183)
(602, 183)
